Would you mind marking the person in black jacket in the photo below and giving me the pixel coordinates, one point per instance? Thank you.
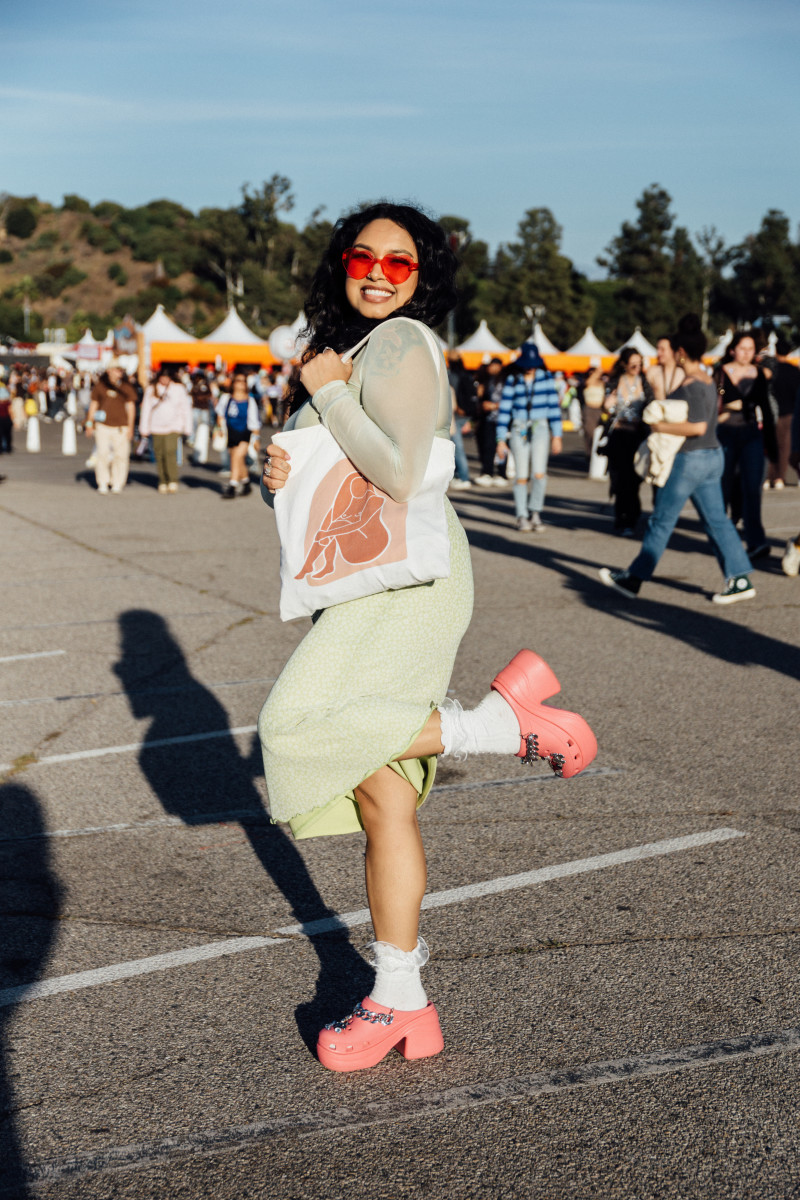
(744, 407)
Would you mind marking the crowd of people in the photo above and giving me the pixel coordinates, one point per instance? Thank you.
(515, 413)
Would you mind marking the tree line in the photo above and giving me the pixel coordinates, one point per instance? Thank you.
(250, 255)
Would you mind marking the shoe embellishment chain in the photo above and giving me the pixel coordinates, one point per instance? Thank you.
(374, 1018)
(532, 754)
(531, 749)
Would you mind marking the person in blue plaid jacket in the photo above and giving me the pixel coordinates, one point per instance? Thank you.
(529, 422)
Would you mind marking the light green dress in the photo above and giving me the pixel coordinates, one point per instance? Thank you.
(361, 685)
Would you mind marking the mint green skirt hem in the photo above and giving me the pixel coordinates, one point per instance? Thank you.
(342, 814)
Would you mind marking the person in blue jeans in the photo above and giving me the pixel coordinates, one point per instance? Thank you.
(529, 420)
(463, 385)
(696, 475)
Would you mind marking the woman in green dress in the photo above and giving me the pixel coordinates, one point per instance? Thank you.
(352, 728)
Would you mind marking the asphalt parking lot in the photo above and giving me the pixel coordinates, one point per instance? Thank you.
(615, 958)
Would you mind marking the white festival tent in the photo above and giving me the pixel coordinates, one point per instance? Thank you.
(482, 341)
(88, 351)
(639, 343)
(543, 343)
(722, 345)
(234, 332)
(591, 345)
(161, 328)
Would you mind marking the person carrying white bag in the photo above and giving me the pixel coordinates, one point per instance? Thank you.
(352, 729)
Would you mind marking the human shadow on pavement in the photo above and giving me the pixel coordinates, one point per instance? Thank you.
(207, 782)
(30, 901)
(704, 630)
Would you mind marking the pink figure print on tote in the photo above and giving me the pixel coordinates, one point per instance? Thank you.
(351, 524)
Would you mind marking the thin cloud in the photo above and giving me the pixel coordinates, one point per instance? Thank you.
(105, 109)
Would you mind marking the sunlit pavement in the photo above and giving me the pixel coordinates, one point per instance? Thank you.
(615, 958)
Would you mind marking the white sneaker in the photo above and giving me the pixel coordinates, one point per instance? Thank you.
(116, 491)
(102, 490)
(499, 481)
(524, 525)
(483, 481)
(790, 563)
(460, 485)
(537, 524)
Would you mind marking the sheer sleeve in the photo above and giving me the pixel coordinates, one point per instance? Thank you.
(388, 435)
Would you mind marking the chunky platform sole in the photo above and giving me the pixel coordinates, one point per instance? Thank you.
(561, 737)
(365, 1037)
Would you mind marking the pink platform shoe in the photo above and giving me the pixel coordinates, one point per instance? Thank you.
(556, 734)
(371, 1031)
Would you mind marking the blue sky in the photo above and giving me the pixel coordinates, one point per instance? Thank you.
(480, 109)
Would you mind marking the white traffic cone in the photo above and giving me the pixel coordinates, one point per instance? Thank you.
(69, 442)
(33, 442)
(201, 440)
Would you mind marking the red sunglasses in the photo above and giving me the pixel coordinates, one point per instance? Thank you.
(395, 267)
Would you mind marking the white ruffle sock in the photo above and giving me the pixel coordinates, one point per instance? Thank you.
(491, 728)
(397, 982)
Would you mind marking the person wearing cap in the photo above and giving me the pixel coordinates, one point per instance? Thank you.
(111, 419)
(529, 422)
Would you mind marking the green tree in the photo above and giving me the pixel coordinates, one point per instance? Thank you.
(259, 214)
(532, 272)
(641, 258)
(73, 203)
(223, 240)
(687, 280)
(20, 221)
(474, 298)
(765, 272)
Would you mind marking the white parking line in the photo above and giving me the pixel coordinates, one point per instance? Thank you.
(153, 691)
(134, 747)
(180, 616)
(38, 654)
(421, 1105)
(492, 887)
(253, 816)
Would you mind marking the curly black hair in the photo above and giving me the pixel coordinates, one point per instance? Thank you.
(331, 319)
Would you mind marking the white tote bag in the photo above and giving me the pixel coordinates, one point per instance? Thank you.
(343, 538)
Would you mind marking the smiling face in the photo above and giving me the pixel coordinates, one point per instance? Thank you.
(374, 296)
(744, 352)
(634, 365)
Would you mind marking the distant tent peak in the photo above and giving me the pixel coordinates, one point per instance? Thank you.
(590, 345)
(542, 341)
(639, 343)
(159, 327)
(483, 341)
(233, 332)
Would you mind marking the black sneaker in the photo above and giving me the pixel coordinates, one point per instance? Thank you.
(229, 491)
(738, 587)
(621, 580)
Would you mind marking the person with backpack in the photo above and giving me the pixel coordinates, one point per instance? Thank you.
(238, 412)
